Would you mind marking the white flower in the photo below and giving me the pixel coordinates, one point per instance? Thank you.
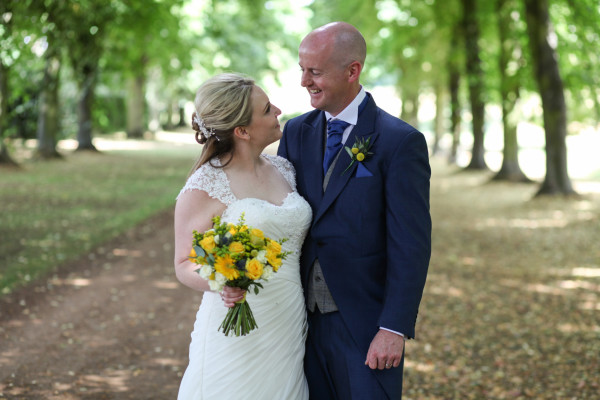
(220, 278)
(215, 286)
(262, 256)
(267, 273)
(217, 239)
(205, 271)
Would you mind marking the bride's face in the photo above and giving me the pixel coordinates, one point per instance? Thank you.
(264, 128)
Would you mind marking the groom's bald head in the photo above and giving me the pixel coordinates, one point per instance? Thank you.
(342, 41)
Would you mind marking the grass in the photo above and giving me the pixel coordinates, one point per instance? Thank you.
(54, 211)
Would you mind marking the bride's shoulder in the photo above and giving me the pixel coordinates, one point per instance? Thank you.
(284, 166)
(280, 162)
(210, 179)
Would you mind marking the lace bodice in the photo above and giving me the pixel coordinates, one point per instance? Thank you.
(291, 219)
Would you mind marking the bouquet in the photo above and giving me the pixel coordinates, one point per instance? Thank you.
(236, 256)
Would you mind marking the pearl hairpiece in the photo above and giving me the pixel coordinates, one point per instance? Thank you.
(206, 132)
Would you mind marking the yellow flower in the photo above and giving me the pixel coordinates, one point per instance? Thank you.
(236, 247)
(257, 237)
(274, 261)
(195, 258)
(254, 269)
(360, 156)
(274, 247)
(225, 266)
(355, 150)
(232, 229)
(208, 244)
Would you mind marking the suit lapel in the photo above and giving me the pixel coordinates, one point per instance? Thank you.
(312, 150)
(339, 179)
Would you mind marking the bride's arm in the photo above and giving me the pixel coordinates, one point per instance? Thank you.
(194, 210)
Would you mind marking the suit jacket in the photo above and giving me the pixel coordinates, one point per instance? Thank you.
(371, 228)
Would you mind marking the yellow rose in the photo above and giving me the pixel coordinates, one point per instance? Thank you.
(208, 244)
(360, 156)
(225, 266)
(193, 253)
(274, 261)
(257, 237)
(254, 269)
(236, 247)
(274, 247)
(355, 150)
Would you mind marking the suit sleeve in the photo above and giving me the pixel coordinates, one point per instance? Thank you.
(282, 149)
(408, 233)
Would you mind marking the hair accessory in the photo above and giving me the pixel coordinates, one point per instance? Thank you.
(206, 132)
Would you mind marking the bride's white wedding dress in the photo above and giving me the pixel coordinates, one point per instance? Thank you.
(268, 362)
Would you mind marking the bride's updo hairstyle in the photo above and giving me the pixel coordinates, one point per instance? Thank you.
(222, 103)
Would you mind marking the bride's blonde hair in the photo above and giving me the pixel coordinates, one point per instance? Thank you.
(222, 103)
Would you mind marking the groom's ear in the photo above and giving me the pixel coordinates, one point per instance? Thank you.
(354, 70)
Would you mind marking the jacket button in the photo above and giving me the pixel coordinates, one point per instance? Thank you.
(320, 244)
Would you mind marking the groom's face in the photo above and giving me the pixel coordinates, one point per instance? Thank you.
(326, 81)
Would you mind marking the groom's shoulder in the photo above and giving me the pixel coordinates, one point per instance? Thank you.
(306, 118)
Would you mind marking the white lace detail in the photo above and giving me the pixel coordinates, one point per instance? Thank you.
(285, 168)
(214, 181)
(211, 180)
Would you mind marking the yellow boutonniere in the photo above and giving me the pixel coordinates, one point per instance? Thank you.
(359, 151)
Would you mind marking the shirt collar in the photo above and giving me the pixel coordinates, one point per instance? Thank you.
(350, 113)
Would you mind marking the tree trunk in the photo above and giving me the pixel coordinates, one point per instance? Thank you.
(475, 79)
(454, 89)
(182, 119)
(551, 90)
(410, 107)
(84, 109)
(136, 105)
(5, 158)
(438, 127)
(509, 92)
(48, 118)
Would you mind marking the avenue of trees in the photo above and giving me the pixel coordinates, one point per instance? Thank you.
(72, 68)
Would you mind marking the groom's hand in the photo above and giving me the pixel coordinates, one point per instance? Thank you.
(385, 350)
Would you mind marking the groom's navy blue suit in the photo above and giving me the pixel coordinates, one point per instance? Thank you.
(371, 229)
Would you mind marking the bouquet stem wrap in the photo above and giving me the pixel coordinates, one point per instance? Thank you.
(239, 319)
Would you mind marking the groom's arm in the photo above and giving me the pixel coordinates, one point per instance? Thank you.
(408, 249)
(408, 233)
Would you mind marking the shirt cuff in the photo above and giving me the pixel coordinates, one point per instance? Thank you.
(389, 330)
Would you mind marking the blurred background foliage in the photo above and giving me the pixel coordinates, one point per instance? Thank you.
(75, 69)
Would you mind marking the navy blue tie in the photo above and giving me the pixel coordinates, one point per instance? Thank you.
(335, 131)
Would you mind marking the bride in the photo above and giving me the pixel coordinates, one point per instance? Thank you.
(235, 121)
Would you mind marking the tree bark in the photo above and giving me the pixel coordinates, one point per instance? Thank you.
(48, 118)
(410, 107)
(475, 78)
(454, 89)
(438, 127)
(135, 107)
(84, 108)
(551, 90)
(509, 92)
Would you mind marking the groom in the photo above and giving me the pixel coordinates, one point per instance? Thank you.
(365, 259)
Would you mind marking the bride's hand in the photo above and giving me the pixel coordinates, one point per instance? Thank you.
(231, 295)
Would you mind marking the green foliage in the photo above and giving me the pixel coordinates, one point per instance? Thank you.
(56, 211)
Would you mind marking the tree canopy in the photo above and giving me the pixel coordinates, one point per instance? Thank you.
(78, 68)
